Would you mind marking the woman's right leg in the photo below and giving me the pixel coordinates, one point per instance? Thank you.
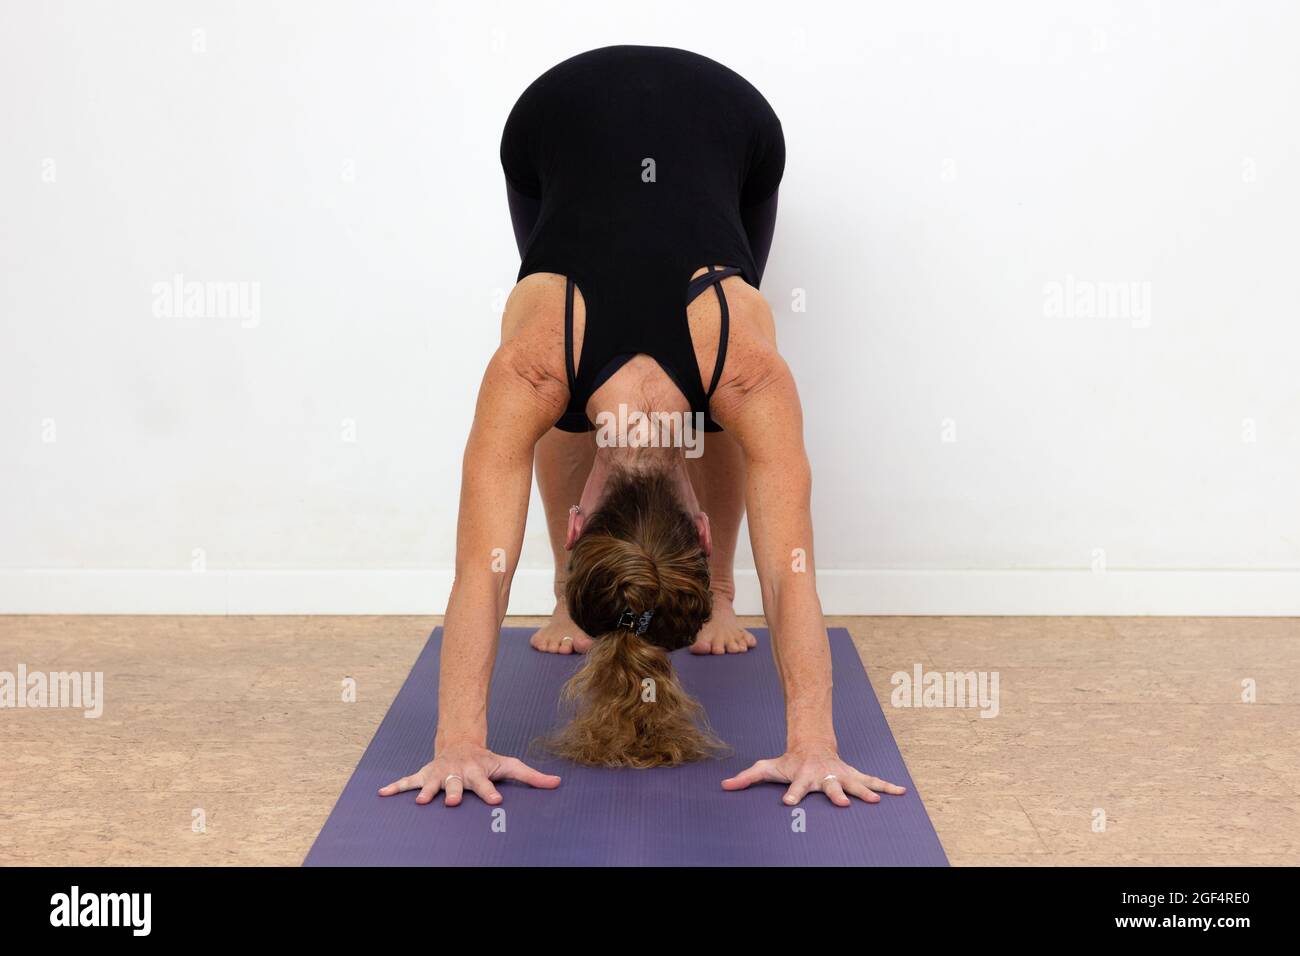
(718, 477)
(524, 211)
(760, 225)
(562, 461)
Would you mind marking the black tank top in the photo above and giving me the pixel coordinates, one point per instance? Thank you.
(642, 159)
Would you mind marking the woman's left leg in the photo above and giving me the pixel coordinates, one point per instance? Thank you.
(524, 211)
(718, 477)
(562, 461)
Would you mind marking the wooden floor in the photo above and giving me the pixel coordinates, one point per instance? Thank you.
(240, 722)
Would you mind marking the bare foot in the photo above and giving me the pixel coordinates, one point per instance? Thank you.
(560, 635)
(723, 633)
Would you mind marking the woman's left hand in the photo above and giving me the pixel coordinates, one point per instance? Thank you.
(818, 768)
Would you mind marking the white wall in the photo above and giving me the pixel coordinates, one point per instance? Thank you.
(950, 164)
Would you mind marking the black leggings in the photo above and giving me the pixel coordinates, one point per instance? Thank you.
(759, 221)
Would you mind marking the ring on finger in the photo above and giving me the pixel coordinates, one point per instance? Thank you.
(829, 776)
(450, 777)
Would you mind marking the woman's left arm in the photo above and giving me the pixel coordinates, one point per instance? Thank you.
(762, 411)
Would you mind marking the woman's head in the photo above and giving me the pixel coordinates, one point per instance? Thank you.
(638, 583)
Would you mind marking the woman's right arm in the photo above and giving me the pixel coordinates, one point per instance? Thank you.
(518, 401)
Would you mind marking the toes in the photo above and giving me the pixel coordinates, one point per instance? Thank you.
(736, 643)
(546, 642)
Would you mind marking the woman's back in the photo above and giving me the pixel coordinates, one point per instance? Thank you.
(642, 160)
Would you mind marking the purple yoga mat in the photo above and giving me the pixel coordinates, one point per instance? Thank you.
(676, 816)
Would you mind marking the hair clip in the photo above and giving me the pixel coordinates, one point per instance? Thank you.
(637, 626)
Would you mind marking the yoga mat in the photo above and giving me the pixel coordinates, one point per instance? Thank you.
(678, 816)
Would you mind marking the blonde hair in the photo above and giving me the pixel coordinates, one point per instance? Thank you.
(640, 552)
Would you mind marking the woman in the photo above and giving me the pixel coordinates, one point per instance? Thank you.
(638, 179)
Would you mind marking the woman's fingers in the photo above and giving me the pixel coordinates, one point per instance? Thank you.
(400, 786)
(834, 778)
(478, 781)
(761, 772)
(830, 786)
(512, 768)
(429, 791)
(882, 786)
(857, 787)
(798, 790)
(474, 775)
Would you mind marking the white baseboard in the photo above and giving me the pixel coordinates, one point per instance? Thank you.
(903, 592)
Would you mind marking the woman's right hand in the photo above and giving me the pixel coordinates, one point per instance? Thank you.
(458, 766)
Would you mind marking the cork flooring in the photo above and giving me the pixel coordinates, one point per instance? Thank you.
(225, 740)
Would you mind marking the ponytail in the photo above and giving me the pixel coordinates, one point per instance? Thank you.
(638, 583)
(631, 710)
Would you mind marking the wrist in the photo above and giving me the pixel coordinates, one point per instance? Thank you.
(811, 742)
(453, 738)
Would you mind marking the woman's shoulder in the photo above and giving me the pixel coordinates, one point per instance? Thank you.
(751, 313)
(753, 361)
(532, 336)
